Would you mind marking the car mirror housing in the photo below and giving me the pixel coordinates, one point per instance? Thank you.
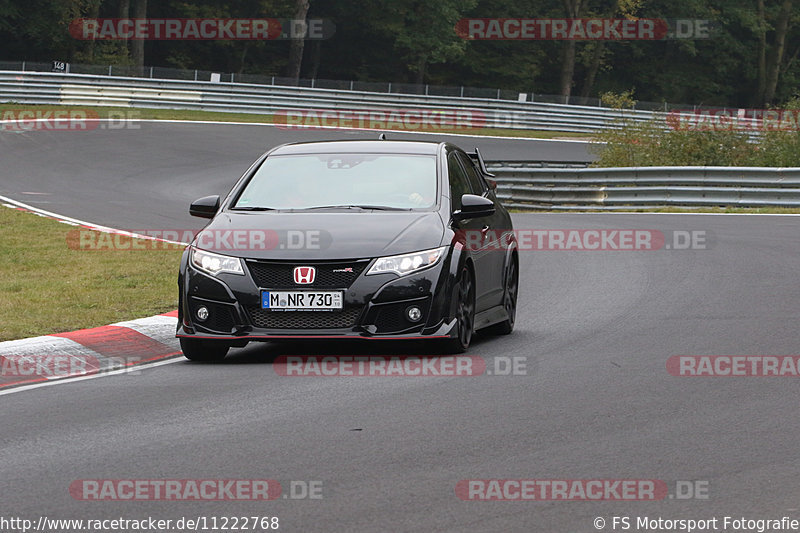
(474, 206)
(205, 207)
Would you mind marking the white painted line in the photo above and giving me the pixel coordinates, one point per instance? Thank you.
(125, 370)
(339, 128)
(9, 202)
(213, 122)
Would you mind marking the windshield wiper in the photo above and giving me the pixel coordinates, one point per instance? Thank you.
(375, 207)
(252, 208)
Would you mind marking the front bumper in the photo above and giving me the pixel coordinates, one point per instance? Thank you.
(374, 307)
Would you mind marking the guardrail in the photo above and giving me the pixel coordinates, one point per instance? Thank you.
(523, 186)
(93, 90)
(167, 73)
(527, 185)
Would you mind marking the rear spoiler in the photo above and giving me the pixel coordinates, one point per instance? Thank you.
(476, 156)
(488, 176)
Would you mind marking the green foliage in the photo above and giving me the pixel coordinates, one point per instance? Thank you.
(623, 100)
(415, 41)
(634, 144)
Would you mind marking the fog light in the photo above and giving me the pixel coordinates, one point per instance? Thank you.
(414, 314)
(202, 314)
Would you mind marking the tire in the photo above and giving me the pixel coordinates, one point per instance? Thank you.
(204, 351)
(465, 313)
(510, 293)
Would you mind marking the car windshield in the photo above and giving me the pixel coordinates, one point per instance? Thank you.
(379, 181)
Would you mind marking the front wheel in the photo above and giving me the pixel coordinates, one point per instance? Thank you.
(465, 314)
(204, 351)
(509, 300)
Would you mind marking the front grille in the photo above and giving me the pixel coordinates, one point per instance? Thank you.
(280, 275)
(264, 318)
(221, 318)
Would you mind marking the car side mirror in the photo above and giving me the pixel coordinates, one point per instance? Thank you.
(474, 206)
(205, 207)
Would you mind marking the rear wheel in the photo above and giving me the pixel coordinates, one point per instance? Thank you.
(204, 351)
(509, 300)
(465, 313)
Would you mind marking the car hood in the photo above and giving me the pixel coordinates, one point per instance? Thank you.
(321, 235)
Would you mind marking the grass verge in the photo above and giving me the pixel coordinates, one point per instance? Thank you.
(249, 118)
(48, 286)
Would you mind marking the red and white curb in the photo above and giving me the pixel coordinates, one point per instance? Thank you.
(89, 353)
(116, 348)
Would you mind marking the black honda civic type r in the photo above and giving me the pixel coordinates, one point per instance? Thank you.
(351, 239)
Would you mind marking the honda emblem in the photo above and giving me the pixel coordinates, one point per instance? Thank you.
(304, 275)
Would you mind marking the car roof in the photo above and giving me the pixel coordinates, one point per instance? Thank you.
(381, 147)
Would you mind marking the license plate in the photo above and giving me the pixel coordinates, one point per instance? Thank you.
(301, 300)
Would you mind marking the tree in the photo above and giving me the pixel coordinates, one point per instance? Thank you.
(137, 47)
(424, 32)
(298, 42)
(572, 9)
(769, 75)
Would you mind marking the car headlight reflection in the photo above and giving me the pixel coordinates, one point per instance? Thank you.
(215, 263)
(407, 263)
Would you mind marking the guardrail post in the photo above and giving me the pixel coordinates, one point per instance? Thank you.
(462, 91)
(195, 74)
(390, 86)
(426, 89)
(151, 72)
(109, 70)
(351, 85)
(23, 66)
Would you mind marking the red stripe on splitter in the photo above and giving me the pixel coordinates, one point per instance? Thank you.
(120, 342)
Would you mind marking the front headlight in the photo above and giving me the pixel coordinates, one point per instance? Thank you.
(407, 263)
(215, 263)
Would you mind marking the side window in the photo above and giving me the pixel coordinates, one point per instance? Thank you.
(476, 183)
(459, 184)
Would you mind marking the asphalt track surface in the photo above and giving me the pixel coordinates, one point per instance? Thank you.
(595, 329)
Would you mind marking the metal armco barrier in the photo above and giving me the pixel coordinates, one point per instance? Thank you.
(521, 185)
(91, 90)
(527, 185)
